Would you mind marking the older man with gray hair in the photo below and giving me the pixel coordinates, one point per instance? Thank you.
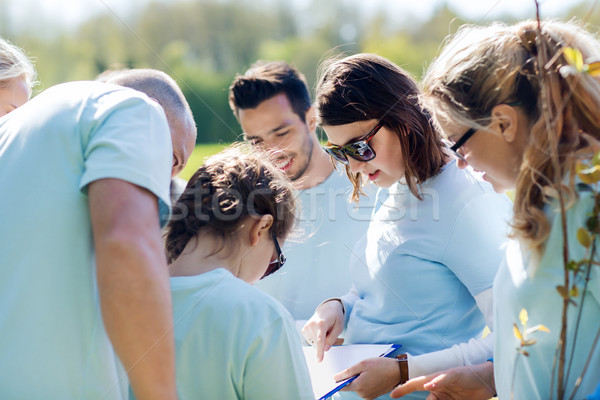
(84, 295)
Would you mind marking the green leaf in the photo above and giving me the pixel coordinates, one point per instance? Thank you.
(573, 265)
(592, 224)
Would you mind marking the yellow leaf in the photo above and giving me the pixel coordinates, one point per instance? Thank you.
(587, 174)
(574, 291)
(517, 332)
(536, 328)
(594, 68)
(523, 317)
(584, 237)
(574, 57)
(529, 342)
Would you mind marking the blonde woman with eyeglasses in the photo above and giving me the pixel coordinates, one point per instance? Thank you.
(529, 96)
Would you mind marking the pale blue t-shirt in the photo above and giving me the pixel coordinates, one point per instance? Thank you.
(422, 262)
(317, 257)
(53, 344)
(521, 284)
(235, 342)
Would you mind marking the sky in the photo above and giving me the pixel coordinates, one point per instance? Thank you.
(68, 13)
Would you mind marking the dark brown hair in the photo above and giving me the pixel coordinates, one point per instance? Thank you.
(230, 186)
(265, 80)
(365, 86)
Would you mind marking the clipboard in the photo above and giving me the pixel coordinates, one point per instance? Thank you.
(337, 359)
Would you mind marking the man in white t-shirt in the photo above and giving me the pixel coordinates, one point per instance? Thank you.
(272, 103)
(84, 294)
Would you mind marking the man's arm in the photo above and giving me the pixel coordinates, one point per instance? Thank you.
(133, 284)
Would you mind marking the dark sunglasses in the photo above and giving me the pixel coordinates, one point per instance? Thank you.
(359, 150)
(276, 265)
(453, 147)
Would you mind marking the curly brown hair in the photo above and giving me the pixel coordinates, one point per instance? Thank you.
(230, 186)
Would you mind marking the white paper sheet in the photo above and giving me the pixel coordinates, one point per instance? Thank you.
(337, 359)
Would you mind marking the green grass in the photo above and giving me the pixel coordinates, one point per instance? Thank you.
(199, 155)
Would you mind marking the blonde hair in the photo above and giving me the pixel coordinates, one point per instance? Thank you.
(481, 67)
(14, 64)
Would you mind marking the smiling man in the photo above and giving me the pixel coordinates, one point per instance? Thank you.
(272, 103)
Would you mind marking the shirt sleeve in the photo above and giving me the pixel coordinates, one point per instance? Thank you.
(476, 245)
(348, 301)
(473, 352)
(277, 369)
(126, 136)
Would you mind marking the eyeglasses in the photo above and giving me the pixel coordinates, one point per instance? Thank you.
(276, 265)
(453, 147)
(359, 150)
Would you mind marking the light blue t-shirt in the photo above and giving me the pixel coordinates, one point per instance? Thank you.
(520, 284)
(421, 263)
(235, 342)
(53, 344)
(318, 257)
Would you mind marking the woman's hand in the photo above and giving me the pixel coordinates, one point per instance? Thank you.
(324, 327)
(377, 377)
(475, 382)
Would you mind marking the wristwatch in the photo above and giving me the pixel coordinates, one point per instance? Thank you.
(403, 365)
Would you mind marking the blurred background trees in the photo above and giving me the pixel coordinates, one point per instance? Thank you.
(204, 43)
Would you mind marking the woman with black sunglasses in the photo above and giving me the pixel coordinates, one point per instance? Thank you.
(232, 340)
(423, 273)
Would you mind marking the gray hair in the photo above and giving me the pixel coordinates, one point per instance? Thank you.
(156, 85)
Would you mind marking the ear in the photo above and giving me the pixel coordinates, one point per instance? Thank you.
(311, 119)
(505, 121)
(259, 228)
(176, 163)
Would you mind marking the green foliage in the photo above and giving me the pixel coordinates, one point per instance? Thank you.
(199, 155)
(207, 94)
(204, 43)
